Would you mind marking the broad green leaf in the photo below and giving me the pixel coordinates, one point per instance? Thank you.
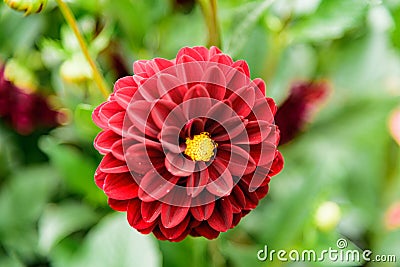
(84, 123)
(243, 29)
(190, 249)
(59, 221)
(331, 20)
(113, 243)
(396, 31)
(22, 198)
(76, 168)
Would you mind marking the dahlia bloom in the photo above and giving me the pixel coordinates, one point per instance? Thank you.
(190, 144)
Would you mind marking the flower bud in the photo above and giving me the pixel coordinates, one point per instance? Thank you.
(27, 6)
(327, 216)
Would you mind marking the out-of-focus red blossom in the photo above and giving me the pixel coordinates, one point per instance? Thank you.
(24, 112)
(394, 125)
(297, 110)
(189, 144)
(392, 216)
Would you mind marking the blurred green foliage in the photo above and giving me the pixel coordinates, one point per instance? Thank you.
(52, 213)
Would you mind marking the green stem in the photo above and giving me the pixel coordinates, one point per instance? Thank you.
(209, 10)
(69, 17)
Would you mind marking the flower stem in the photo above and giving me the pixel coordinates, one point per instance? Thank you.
(209, 10)
(69, 17)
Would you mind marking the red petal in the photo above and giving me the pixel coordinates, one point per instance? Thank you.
(193, 127)
(187, 51)
(222, 217)
(221, 111)
(150, 210)
(203, 206)
(215, 82)
(118, 150)
(134, 215)
(214, 51)
(124, 96)
(263, 110)
(256, 132)
(172, 215)
(189, 70)
(141, 157)
(221, 181)
(139, 66)
(139, 112)
(175, 232)
(170, 139)
(196, 102)
(260, 85)
(251, 197)
(171, 87)
(105, 140)
(99, 177)
(263, 153)
(118, 205)
(242, 66)
(238, 160)
(262, 191)
(96, 117)
(109, 164)
(123, 82)
(153, 186)
(277, 165)
(222, 59)
(120, 186)
(196, 182)
(162, 64)
(116, 122)
(109, 109)
(243, 100)
(179, 165)
(237, 199)
(257, 179)
(203, 52)
(161, 110)
(205, 230)
(228, 129)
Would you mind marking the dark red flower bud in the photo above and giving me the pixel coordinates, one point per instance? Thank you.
(297, 110)
(24, 112)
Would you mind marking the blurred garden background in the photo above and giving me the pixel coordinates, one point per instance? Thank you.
(341, 177)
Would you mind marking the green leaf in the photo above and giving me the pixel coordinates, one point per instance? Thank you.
(22, 200)
(59, 221)
(396, 32)
(84, 123)
(241, 32)
(113, 243)
(332, 20)
(23, 197)
(76, 168)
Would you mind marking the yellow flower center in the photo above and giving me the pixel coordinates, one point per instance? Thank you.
(201, 147)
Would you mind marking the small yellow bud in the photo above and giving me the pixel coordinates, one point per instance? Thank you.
(27, 6)
(327, 216)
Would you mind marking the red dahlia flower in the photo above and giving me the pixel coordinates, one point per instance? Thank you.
(189, 144)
